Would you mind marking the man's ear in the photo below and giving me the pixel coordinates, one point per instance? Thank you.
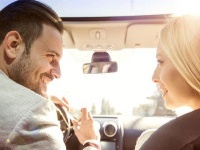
(12, 43)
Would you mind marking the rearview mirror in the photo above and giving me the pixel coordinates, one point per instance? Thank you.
(100, 67)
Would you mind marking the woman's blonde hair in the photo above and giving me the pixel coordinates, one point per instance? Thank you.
(180, 41)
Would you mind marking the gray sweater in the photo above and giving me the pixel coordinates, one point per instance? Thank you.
(27, 120)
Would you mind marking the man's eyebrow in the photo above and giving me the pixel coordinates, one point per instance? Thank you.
(56, 53)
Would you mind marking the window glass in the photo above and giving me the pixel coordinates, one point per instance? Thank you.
(130, 91)
(102, 8)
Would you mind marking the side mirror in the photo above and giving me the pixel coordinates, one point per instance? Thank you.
(100, 67)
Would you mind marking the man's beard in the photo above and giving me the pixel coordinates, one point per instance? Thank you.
(22, 73)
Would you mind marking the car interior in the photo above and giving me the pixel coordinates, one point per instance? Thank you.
(102, 41)
(101, 36)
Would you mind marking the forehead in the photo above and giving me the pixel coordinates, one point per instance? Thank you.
(159, 51)
(50, 40)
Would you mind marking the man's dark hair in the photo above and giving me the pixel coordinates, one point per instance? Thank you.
(27, 17)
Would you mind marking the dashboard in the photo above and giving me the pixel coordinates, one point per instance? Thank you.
(111, 131)
(120, 132)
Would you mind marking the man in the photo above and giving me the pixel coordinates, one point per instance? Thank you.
(30, 51)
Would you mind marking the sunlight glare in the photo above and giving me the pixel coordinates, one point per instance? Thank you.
(187, 7)
(124, 90)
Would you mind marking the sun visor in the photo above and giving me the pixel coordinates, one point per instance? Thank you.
(143, 35)
(67, 40)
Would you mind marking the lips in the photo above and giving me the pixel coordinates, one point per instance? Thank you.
(45, 81)
(163, 90)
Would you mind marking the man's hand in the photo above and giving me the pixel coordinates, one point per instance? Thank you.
(62, 102)
(85, 129)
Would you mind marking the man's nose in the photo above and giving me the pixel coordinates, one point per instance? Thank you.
(56, 72)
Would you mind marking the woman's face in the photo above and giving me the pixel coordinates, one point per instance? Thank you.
(175, 90)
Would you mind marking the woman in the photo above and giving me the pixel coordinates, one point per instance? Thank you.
(178, 77)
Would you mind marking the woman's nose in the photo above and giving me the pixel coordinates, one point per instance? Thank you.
(155, 75)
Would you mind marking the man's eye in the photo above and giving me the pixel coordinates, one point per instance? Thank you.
(50, 55)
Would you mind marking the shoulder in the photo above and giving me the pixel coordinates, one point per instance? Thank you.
(176, 133)
(143, 137)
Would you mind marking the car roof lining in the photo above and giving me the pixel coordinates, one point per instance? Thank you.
(113, 33)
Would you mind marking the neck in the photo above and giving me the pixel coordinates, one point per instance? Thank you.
(183, 110)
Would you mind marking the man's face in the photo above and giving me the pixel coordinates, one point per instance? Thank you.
(41, 66)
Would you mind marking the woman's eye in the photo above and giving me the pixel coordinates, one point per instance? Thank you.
(160, 62)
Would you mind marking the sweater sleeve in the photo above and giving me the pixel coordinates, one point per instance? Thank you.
(91, 145)
(37, 129)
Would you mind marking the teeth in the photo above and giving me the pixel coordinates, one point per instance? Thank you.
(46, 81)
(163, 91)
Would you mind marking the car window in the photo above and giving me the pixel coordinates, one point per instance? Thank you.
(129, 91)
(115, 7)
(124, 103)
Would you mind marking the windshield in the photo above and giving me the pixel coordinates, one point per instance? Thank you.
(129, 91)
(107, 8)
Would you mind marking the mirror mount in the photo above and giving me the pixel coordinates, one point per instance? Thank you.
(100, 57)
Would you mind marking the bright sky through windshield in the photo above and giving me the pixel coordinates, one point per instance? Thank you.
(128, 87)
(72, 8)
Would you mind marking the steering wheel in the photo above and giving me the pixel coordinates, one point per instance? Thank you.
(70, 138)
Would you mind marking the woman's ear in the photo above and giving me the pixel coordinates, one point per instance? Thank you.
(12, 44)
